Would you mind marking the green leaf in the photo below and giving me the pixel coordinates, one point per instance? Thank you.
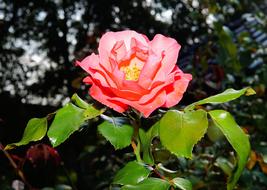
(91, 112)
(237, 138)
(67, 120)
(182, 183)
(119, 136)
(146, 140)
(149, 184)
(226, 96)
(179, 131)
(34, 131)
(133, 173)
(214, 133)
(79, 102)
(225, 165)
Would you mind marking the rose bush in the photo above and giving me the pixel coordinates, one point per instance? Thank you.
(130, 70)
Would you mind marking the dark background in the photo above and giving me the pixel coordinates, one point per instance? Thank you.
(40, 41)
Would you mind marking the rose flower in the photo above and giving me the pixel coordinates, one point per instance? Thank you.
(131, 70)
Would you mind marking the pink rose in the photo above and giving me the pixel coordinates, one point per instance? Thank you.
(132, 71)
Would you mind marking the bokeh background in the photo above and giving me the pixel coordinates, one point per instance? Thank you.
(224, 44)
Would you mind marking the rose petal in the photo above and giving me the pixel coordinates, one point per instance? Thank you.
(154, 91)
(176, 90)
(131, 95)
(108, 40)
(170, 49)
(149, 71)
(149, 107)
(102, 96)
(133, 86)
(140, 49)
(145, 109)
(91, 65)
(119, 51)
(88, 80)
(89, 62)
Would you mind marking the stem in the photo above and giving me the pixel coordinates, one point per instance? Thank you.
(156, 171)
(136, 139)
(14, 165)
(159, 174)
(51, 115)
(136, 151)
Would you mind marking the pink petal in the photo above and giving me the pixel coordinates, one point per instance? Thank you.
(130, 94)
(108, 40)
(176, 90)
(88, 80)
(149, 107)
(91, 65)
(154, 91)
(91, 61)
(140, 49)
(103, 97)
(145, 109)
(169, 48)
(132, 86)
(119, 51)
(149, 71)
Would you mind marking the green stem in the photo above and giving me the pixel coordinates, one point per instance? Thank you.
(136, 149)
(136, 144)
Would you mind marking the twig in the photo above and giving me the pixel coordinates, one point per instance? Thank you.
(136, 151)
(159, 174)
(136, 138)
(14, 165)
(155, 170)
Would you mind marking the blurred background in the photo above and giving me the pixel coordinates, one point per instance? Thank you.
(224, 44)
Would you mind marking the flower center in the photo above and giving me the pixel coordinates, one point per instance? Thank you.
(132, 72)
(133, 69)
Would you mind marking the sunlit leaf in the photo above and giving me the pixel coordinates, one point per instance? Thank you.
(237, 138)
(79, 102)
(226, 96)
(179, 131)
(131, 174)
(149, 184)
(34, 131)
(67, 120)
(91, 112)
(182, 183)
(118, 135)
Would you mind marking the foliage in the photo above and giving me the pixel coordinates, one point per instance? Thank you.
(178, 131)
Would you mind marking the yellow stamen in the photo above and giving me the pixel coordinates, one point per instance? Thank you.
(131, 71)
